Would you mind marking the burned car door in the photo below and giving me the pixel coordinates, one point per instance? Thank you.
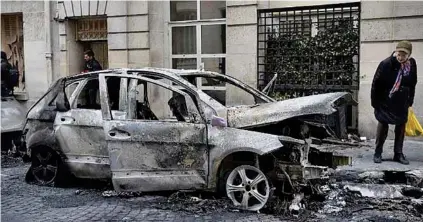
(148, 150)
(40, 117)
(79, 131)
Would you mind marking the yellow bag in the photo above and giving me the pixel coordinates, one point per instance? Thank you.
(413, 127)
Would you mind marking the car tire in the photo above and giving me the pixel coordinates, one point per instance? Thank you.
(248, 188)
(45, 166)
(221, 187)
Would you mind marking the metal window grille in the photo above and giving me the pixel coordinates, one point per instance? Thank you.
(91, 29)
(312, 49)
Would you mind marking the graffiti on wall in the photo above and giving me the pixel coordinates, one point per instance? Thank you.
(16, 59)
(13, 45)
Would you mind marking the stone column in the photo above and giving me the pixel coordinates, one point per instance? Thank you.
(241, 47)
(128, 34)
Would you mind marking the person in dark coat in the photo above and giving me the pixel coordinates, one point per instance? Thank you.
(91, 64)
(5, 75)
(392, 93)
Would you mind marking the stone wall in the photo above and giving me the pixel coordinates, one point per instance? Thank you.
(127, 28)
(158, 15)
(128, 34)
(241, 47)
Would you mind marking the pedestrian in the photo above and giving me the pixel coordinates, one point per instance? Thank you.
(91, 64)
(5, 75)
(392, 94)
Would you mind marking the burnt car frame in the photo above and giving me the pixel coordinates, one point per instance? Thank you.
(13, 111)
(208, 146)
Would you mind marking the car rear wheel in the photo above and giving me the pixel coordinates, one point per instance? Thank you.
(248, 188)
(45, 166)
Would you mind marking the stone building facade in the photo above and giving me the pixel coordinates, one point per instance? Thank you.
(215, 35)
(27, 22)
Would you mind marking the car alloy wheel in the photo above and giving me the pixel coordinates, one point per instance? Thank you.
(44, 166)
(248, 188)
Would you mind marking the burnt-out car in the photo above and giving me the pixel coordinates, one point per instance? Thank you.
(12, 120)
(152, 130)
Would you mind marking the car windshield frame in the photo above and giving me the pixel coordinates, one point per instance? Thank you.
(228, 79)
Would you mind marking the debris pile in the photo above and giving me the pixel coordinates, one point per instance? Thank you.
(113, 193)
(196, 202)
(348, 200)
(10, 160)
(414, 178)
(335, 200)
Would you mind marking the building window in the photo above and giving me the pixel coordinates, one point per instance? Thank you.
(91, 29)
(198, 38)
(12, 43)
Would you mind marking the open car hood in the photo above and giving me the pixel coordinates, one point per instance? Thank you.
(269, 113)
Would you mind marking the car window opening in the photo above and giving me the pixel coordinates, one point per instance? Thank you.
(146, 111)
(89, 98)
(220, 95)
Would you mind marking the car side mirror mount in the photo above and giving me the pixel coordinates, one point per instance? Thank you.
(218, 121)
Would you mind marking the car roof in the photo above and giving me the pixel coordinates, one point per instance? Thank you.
(165, 71)
(176, 74)
(172, 72)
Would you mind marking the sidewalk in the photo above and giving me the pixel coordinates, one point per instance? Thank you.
(363, 157)
(363, 167)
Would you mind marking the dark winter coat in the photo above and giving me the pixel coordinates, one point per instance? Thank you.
(5, 70)
(393, 110)
(92, 65)
(5, 77)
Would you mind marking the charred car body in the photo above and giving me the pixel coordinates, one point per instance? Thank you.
(12, 122)
(107, 124)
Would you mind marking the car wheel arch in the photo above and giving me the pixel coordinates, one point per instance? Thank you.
(225, 163)
(41, 146)
(41, 138)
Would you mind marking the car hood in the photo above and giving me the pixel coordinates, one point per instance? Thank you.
(268, 113)
(12, 115)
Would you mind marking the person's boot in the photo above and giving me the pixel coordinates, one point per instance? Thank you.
(377, 158)
(400, 158)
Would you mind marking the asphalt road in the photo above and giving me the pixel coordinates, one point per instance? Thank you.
(26, 202)
(84, 201)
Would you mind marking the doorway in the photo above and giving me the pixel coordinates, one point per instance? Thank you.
(100, 50)
(91, 33)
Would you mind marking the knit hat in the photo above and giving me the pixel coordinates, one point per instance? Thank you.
(405, 46)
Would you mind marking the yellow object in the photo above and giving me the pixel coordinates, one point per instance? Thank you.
(413, 127)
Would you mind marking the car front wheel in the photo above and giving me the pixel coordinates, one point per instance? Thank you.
(248, 188)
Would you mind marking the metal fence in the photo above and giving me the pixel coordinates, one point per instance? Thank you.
(312, 49)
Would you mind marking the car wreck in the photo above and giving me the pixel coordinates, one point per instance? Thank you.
(12, 121)
(154, 130)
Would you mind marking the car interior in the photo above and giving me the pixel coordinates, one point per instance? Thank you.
(89, 98)
(176, 103)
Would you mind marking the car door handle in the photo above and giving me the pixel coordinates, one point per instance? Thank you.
(67, 119)
(119, 133)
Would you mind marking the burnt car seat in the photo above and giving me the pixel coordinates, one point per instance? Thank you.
(178, 107)
(144, 112)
